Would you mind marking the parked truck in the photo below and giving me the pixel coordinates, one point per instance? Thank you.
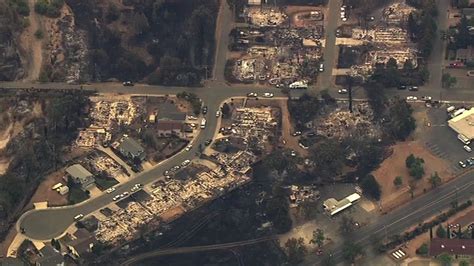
(203, 123)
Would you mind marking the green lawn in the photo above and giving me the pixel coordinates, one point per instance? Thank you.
(104, 184)
(76, 195)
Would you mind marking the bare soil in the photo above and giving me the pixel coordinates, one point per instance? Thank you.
(395, 166)
(45, 193)
(32, 45)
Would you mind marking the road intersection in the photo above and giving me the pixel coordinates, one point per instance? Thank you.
(52, 222)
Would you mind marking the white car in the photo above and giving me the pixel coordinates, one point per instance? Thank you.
(321, 67)
(117, 197)
(342, 91)
(218, 113)
(426, 98)
(125, 194)
(186, 162)
(268, 95)
(189, 147)
(344, 19)
(252, 94)
(110, 190)
(411, 98)
(467, 148)
(190, 117)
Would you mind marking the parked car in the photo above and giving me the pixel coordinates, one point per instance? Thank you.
(128, 83)
(218, 113)
(413, 88)
(189, 147)
(252, 94)
(426, 98)
(110, 190)
(470, 161)
(402, 87)
(208, 142)
(462, 164)
(190, 117)
(467, 148)
(342, 91)
(411, 98)
(204, 110)
(296, 133)
(186, 162)
(321, 67)
(268, 95)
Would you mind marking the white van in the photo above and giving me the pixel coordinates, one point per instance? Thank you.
(464, 139)
(450, 109)
(78, 217)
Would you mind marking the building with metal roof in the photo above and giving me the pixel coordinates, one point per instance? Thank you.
(80, 176)
(464, 124)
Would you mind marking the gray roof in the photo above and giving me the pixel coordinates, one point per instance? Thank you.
(168, 111)
(468, 12)
(78, 171)
(11, 262)
(51, 257)
(131, 146)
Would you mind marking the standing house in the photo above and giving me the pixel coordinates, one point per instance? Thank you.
(80, 176)
(50, 257)
(80, 244)
(131, 149)
(459, 248)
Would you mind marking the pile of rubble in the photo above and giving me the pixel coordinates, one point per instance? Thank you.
(104, 117)
(264, 17)
(340, 123)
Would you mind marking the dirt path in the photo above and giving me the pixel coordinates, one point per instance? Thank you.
(32, 45)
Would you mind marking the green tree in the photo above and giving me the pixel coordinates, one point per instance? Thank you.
(401, 122)
(398, 181)
(445, 259)
(295, 250)
(304, 109)
(410, 160)
(441, 232)
(351, 251)
(463, 263)
(318, 237)
(39, 34)
(448, 81)
(328, 157)
(371, 187)
(423, 249)
(417, 171)
(226, 110)
(435, 180)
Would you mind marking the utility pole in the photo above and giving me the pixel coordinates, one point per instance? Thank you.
(349, 81)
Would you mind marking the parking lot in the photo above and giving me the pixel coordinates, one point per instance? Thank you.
(443, 141)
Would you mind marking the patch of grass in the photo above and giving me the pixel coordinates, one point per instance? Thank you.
(76, 195)
(104, 184)
(39, 34)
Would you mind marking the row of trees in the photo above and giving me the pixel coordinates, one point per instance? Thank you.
(422, 25)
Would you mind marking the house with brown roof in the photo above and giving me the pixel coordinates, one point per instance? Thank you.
(459, 248)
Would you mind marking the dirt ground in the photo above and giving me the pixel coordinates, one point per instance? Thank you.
(172, 214)
(31, 45)
(395, 166)
(287, 128)
(45, 193)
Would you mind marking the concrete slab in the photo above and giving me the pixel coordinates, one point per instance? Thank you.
(367, 205)
(41, 205)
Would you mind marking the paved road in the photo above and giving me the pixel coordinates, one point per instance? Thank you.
(223, 28)
(330, 48)
(435, 62)
(419, 209)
